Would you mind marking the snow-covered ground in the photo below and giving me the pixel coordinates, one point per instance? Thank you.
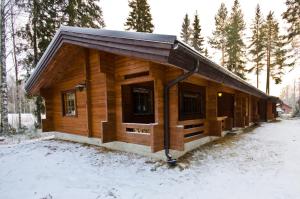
(261, 164)
(27, 119)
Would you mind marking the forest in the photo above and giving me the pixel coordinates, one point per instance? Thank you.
(28, 26)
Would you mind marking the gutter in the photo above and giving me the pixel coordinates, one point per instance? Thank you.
(211, 70)
(171, 161)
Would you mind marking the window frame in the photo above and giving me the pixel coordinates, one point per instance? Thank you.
(188, 88)
(129, 115)
(151, 93)
(63, 95)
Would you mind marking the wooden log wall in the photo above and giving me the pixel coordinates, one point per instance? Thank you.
(270, 113)
(151, 72)
(108, 127)
(73, 75)
(79, 70)
(239, 110)
(101, 102)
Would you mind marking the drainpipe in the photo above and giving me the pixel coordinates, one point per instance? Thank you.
(170, 84)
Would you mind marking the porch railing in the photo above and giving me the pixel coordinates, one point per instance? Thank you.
(226, 123)
(192, 129)
(137, 128)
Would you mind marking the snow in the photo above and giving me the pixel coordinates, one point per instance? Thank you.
(27, 119)
(262, 163)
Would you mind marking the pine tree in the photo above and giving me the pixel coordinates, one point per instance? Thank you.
(292, 16)
(277, 53)
(186, 30)
(4, 127)
(271, 30)
(256, 47)
(235, 46)
(197, 40)
(140, 18)
(206, 53)
(280, 57)
(217, 41)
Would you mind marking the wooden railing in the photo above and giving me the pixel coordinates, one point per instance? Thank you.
(137, 128)
(226, 123)
(192, 129)
(223, 122)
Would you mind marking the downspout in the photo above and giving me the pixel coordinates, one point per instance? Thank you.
(170, 84)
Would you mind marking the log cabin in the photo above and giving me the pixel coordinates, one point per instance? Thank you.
(140, 92)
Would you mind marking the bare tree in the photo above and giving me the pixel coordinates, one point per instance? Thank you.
(15, 61)
(4, 128)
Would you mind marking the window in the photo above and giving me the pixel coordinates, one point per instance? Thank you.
(142, 100)
(69, 103)
(191, 101)
(138, 103)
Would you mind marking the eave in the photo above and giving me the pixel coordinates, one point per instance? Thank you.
(165, 49)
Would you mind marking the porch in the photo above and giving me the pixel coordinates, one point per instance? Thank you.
(199, 109)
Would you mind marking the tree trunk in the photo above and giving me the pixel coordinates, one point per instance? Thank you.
(268, 69)
(4, 97)
(18, 108)
(257, 55)
(268, 61)
(35, 61)
(257, 74)
(223, 55)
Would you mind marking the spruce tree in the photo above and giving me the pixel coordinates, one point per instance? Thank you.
(140, 18)
(256, 48)
(235, 46)
(83, 14)
(186, 30)
(217, 41)
(45, 17)
(292, 16)
(197, 40)
(37, 34)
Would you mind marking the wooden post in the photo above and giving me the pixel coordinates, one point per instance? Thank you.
(87, 89)
(107, 68)
(214, 126)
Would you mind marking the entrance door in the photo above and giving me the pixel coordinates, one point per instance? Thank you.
(226, 105)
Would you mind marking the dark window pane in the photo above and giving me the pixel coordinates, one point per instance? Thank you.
(142, 98)
(191, 101)
(138, 103)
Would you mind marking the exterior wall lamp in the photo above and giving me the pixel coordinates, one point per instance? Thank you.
(220, 94)
(80, 87)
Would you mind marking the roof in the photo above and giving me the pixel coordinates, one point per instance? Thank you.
(165, 49)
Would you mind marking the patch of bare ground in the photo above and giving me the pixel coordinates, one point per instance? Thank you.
(226, 142)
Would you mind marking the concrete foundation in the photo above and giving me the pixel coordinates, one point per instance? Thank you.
(133, 148)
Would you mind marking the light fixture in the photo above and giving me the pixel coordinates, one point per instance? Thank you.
(220, 94)
(80, 87)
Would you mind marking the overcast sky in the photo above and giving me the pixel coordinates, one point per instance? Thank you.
(168, 16)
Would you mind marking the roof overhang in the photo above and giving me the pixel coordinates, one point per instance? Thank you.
(186, 57)
(274, 99)
(165, 49)
(147, 46)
